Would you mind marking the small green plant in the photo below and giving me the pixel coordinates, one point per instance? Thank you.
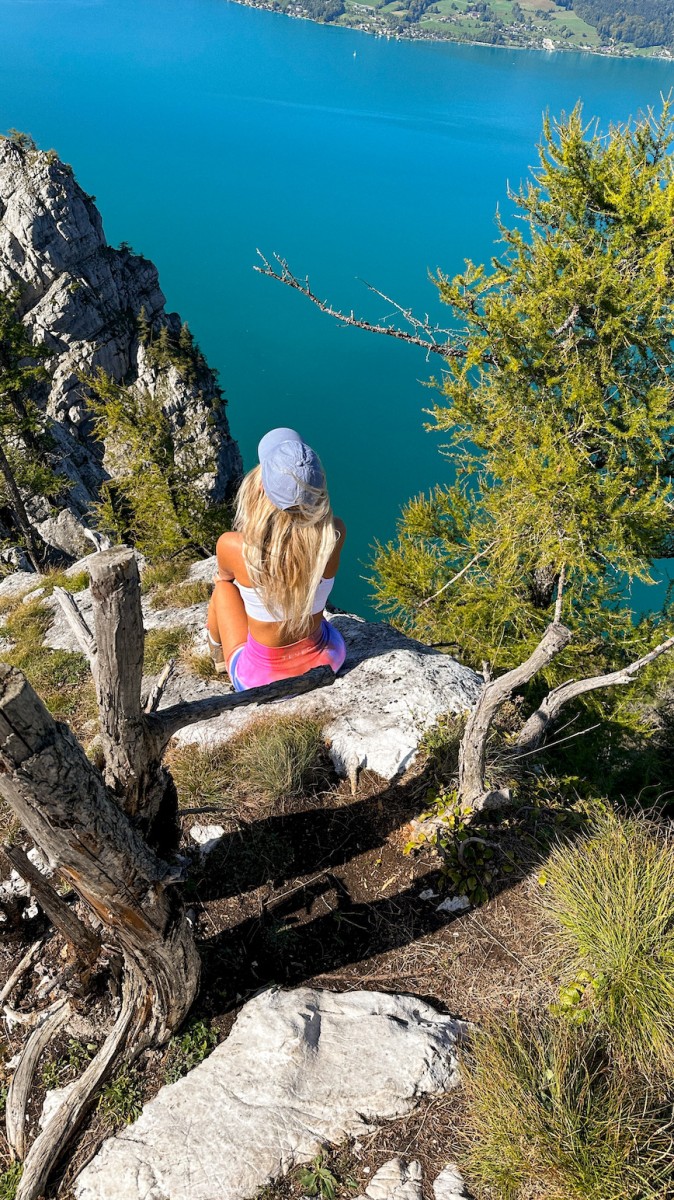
(318, 1180)
(550, 1117)
(162, 645)
(68, 1065)
(9, 1181)
(279, 756)
(188, 1049)
(612, 898)
(470, 861)
(121, 1100)
(577, 998)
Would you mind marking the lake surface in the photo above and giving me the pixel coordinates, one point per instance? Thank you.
(206, 129)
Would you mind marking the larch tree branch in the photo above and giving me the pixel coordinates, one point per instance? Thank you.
(536, 727)
(432, 338)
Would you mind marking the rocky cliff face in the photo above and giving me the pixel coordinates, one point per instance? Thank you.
(83, 299)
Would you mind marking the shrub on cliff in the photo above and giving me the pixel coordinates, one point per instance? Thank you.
(25, 447)
(612, 900)
(152, 502)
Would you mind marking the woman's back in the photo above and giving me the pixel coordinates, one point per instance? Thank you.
(265, 629)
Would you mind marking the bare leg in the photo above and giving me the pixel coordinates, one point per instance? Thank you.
(227, 620)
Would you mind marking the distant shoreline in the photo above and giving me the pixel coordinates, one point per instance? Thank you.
(417, 33)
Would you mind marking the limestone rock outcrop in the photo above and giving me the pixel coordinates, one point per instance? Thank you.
(298, 1070)
(83, 299)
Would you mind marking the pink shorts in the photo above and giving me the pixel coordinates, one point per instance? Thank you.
(252, 665)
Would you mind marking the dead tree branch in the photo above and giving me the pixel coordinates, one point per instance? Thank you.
(81, 938)
(432, 338)
(188, 712)
(459, 574)
(472, 756)
(77, 623)
(535, 729)
(20, 970)
(157, 691)
(61, 800)
(18, 1094)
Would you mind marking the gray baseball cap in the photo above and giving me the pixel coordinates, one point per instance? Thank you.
(291, 470)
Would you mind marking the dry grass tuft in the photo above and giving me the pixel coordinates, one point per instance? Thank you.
(61, 679)
(280, 757)
(274, 758)
(202, 775)
(164, 574)
(551, 1119)
(181, 595)
(162, 645)
(612, 898)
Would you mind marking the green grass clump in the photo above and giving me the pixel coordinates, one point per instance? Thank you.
(186, 1050)
(279, 756)
(9, 1181)
(181, 595)
(70, 583)
(551, 1119)
(162, 645)
(201, 775)
(164, 574)
(62, 680)
(273, 758)
(612, 898)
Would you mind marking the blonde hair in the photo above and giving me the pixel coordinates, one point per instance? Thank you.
(285, 551)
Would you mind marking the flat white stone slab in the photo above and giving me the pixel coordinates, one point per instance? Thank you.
(299, 1069)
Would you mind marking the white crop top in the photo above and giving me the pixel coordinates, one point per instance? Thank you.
(255, 606)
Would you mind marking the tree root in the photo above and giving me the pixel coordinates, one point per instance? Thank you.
(20, 970)
(18, 1095)
(132, 1032)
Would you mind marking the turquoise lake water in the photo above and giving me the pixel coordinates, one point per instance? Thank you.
(206, 129)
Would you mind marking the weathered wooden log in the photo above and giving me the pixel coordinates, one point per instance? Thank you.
(21, 968)
(78, 625)
(472, 755)
(132, 761)
(61, 800)
(81, 937)
(131, 1034)
(177, 716)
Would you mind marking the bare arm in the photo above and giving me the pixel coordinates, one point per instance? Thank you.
(332, 565)
(227, 553)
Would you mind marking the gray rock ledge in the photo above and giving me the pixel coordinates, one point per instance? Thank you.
(299, 1069)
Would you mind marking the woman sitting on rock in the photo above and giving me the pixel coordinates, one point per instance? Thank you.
(276, 570)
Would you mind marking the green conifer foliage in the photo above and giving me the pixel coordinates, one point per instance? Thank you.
(150, 502)
(559, 419)
(24, 432)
